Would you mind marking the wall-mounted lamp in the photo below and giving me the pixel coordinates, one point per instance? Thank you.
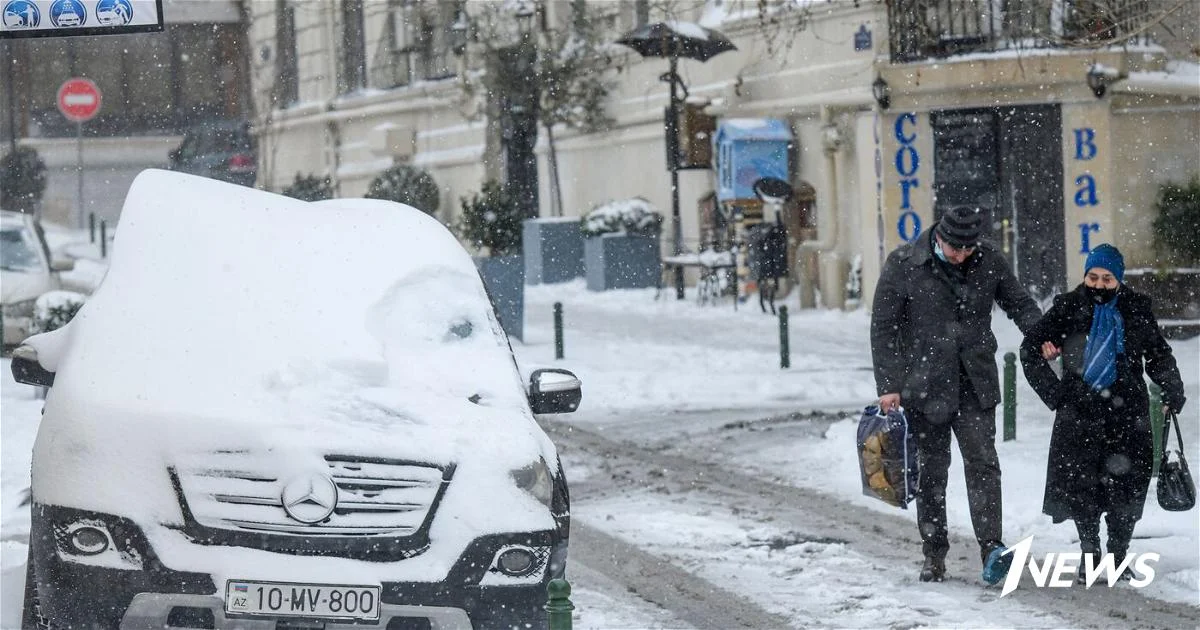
(1099, 77)
(882, 92)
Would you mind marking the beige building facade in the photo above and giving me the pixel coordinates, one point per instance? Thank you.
(999, 121)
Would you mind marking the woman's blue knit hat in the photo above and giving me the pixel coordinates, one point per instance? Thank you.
(1107, 257)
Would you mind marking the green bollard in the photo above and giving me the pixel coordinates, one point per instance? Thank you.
(92, 227)
(558, 331)
(103, 239)
(1010, 396)
(559, 604)
(785, 354)
(1156, 424)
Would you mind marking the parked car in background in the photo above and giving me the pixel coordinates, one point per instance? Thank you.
(220, 150)
(27, 270)
(323, 426)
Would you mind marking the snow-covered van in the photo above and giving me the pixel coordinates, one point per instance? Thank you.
(278, 414)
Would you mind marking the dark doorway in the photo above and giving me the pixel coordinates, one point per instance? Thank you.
(1008, 160)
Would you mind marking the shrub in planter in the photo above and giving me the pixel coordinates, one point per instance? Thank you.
(22, 180)
(491, 221)
(310, 188)
(622, 248)
(1177, 226)
(408, 185)
(54, 309)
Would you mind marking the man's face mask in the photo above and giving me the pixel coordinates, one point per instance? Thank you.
(937, 251)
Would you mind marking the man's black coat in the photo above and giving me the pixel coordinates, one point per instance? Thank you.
(931, 323)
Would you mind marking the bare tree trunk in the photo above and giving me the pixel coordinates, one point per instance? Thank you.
(555, 183)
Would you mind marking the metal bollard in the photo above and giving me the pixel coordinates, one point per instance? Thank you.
(103, 238)
(1010, 396)
(1156, 425)
(785, 354)
(558, 331)
(91, 227)
(559, 604)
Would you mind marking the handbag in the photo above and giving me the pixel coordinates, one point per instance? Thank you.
(1176, 490)
(887, 457)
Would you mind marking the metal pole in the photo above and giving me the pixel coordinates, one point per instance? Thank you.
(103, 238)
(1010, 396)
(1156, 425)
(79, 173)
(676, 225)
(558, 330)
(559, 604)
(10, 59)
(785, 353)
(92, 227)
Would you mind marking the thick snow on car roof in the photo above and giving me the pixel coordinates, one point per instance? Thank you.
(238, 318)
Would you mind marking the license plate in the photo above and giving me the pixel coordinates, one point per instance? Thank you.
(302, 600)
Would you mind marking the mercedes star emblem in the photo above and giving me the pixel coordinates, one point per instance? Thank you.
(310, 498)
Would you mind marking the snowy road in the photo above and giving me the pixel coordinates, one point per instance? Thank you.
(767, 554)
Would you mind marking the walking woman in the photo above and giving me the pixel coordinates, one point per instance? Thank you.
(1101, 448)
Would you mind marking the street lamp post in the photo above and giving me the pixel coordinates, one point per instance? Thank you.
(673, 163)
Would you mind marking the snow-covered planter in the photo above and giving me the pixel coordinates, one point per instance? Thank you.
(504, 277)
(621, 248)
(491, 222)
(553, 250)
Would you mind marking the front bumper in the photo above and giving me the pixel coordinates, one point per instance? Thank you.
(77, 595)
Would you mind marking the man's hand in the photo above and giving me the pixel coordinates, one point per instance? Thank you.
(1050, 351)
(888, 402)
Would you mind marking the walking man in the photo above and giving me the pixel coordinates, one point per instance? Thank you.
(934, 354)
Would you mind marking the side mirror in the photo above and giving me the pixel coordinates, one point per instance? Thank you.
(554, 391)
(62, 265)
(27, 370)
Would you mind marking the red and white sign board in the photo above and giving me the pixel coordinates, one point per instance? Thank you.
(79, 100)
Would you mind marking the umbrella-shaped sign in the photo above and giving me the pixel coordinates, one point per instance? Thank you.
(681, 40)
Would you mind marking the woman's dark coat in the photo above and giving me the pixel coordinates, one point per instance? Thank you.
(1101, 449)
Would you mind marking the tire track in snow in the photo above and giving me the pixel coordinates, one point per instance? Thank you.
(889, 541)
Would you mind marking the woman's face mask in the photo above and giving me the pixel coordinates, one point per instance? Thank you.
(1101, 295)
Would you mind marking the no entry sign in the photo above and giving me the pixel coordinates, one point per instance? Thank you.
(78, 99)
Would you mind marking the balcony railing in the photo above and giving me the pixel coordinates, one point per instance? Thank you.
(925, 29)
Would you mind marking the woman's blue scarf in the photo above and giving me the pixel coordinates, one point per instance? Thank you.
(1105, 341)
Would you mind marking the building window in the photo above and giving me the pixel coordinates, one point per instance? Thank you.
(416, 44)
(392, 62)
(287, 73)
(352, 73)
(435, 42)
(153, 83)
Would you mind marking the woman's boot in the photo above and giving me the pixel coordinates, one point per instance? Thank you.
(1089, 544)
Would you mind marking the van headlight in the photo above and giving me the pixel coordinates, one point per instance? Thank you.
(536, 480)
(24, 308)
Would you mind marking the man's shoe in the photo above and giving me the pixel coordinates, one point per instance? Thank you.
(934, 570)
(996, 565)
